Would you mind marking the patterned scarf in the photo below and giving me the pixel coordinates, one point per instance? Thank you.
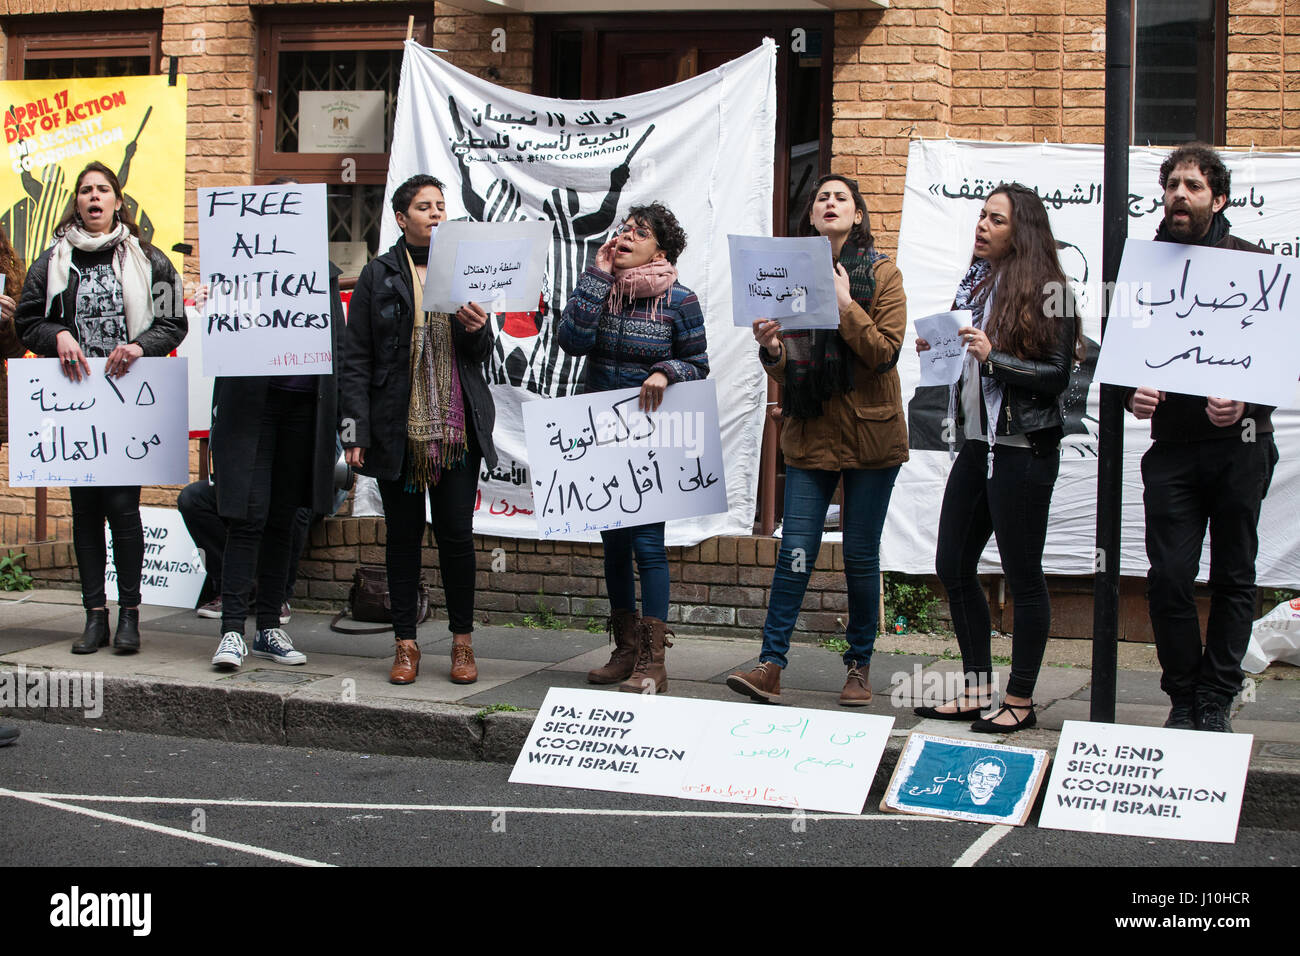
(130, 265)
(435, 420)
(974, 295)
(648, 281)
(818, 362)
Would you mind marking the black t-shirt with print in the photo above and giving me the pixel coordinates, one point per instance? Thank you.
(101, 316)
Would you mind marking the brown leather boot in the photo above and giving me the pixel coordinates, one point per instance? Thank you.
(650, 659)
(857, 687)
(463, 668)
(407, 663)
(622, 628)
(762, 684)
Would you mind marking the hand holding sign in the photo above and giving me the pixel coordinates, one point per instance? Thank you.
(498, 264)
(785, 279)
(942, 347)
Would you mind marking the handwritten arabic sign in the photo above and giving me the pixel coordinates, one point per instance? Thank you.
(498, 265)
(1204, 322)
(599, 463)
(703, 750)
(99, 431)
(941, 364)
(263, 251)
(173, 570)
(1147, 781)
(965, 780)
(787, 279)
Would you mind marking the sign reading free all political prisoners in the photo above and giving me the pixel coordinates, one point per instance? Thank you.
(264, 254)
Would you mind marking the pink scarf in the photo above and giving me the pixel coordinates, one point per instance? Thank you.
(649, 281)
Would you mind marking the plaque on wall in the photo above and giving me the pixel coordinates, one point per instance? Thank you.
(341, 121)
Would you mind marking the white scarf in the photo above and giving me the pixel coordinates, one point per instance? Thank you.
(130, 266)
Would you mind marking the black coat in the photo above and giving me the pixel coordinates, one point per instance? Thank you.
(39, 330)
(375, 393)
(236, 419)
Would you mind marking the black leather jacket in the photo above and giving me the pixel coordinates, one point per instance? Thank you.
(1032, 389)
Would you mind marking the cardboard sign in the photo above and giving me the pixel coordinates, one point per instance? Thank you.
(99, 431)
(499, 265)
(1204, 321)
(942, 362)
(965, 780)
(263, 253)
(599, 463)
(703, 750)
(174, 569)
(791, 280)
(1147, 781)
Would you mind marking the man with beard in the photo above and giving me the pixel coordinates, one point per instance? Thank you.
(1211, 461)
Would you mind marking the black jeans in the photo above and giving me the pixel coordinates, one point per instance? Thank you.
(261, 543)
(451, 505)
(1011, 505)
(1187, 486)
(120, 505)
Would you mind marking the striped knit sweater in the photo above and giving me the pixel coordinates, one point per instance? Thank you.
(623, 349)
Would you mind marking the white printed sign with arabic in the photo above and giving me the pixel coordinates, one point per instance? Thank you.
(499, 265)
(942, 362)
(791, 280)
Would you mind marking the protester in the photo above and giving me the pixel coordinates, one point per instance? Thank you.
(101, 291)
(1211, 461)
(842, 409)
(273, 446)
(10, 347)
(639, 328)
(1008, 407)
(418, 417)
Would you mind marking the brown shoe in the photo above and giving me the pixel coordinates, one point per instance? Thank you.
(650, 666)
(463, 668)
(622, 628)
(857, 690)
(407, 663)
(762, 684)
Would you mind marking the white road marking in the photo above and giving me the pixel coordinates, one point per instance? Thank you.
(45, 801)
(452, 808)
(986, 842)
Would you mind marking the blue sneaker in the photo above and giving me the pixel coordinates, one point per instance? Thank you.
(273, 644)
(231, 651)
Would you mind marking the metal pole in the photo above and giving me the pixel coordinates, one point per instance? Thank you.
(1110, 465)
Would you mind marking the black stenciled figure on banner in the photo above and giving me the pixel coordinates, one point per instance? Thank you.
(32, 219)
(527, 353)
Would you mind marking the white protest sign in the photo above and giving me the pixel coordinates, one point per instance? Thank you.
(173, 571)
(263, 251)
(703, 750)
(99, 431)
(598, 462)
(941, 364)
(1204, 321)
(1147, 781)
(783, 278)
(499, 265)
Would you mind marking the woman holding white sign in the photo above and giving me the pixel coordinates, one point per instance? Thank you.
(1008, 406)
(639, 328)
(417, 416)
(101, 291)
(842, 408)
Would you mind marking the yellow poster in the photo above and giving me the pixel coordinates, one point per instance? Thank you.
(134, 125)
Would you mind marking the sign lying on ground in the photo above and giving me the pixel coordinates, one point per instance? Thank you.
(173, 570)
(598, 462)
(1147, 781)
(130, 430)
(965, 780)
(703, 750)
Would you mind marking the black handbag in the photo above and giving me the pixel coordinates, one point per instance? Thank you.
(368, 602)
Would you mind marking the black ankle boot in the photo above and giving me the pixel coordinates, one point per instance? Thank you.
(127, 638)
(95, 635)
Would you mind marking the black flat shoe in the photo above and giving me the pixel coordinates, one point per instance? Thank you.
(935, 714)
(987, 726)
(126, 640)
(95, 635)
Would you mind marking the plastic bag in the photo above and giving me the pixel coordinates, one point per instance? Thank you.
(1274, 637)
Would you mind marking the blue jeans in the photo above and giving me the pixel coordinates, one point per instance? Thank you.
(807, 495)
(647, 543)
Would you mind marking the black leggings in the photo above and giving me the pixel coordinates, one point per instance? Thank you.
(1012, 505)
(120, 506)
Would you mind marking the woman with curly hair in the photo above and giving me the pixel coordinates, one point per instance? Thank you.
(639, 328)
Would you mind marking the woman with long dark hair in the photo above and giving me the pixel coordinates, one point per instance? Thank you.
(417, 416)
(1008, 407)
(842, 413)
(101, 291)
(639, 328)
